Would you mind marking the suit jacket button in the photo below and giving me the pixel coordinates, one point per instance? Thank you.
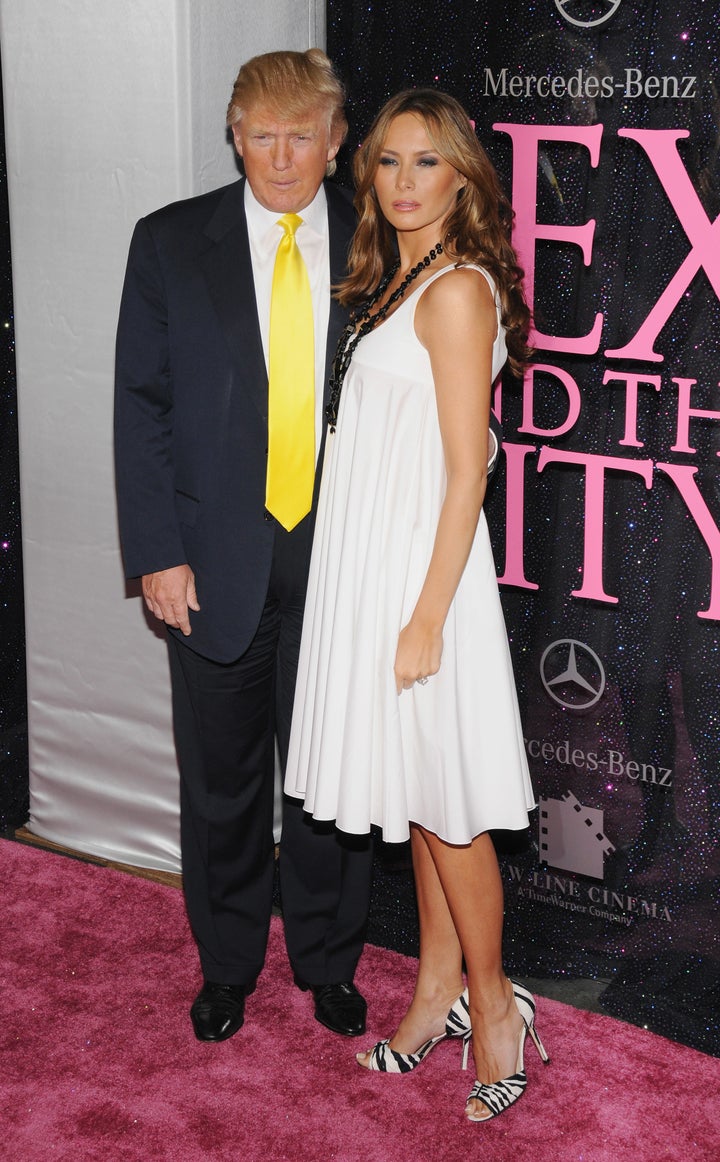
(268, 515)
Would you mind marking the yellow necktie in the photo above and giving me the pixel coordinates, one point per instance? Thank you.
(291, 403)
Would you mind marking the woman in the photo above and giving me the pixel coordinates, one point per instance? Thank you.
(405, 713)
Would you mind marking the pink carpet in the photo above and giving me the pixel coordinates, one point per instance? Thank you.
(98, 1059)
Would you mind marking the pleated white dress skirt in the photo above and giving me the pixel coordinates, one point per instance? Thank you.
(448, 755)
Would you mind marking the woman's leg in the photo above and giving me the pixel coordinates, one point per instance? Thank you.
(470, 882)
(439, 980)
(460, 904)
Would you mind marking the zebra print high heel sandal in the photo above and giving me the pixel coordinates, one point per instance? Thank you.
(497, 1096)
(383, 1059)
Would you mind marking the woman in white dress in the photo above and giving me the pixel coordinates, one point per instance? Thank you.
(406, 715)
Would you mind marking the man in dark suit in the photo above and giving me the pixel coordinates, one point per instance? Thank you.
(224, 574)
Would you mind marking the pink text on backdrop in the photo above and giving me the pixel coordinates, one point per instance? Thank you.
(660, 147)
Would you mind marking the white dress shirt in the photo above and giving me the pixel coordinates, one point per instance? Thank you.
(313, 241)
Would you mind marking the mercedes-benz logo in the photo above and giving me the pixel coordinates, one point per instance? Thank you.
(572, 674)
(587, 13)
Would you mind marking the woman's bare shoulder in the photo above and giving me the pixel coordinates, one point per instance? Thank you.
(456, 301)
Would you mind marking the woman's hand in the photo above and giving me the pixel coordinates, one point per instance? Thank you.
(418, 654)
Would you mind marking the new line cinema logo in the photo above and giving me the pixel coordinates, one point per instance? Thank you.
(572, 838)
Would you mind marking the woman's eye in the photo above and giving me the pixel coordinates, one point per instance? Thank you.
(387, 161)
(428, 161)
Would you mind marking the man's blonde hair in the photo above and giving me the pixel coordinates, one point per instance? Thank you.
(291, 84)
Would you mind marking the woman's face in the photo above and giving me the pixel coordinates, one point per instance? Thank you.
(415, 187)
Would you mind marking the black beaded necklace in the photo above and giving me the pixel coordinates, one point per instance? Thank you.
(362, 322)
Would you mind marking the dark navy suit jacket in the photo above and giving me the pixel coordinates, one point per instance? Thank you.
(191, 408)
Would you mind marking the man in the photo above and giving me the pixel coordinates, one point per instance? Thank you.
(216, 517)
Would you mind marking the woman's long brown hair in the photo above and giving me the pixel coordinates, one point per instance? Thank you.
(477, 231)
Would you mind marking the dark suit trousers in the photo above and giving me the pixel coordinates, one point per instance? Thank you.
(226, 718)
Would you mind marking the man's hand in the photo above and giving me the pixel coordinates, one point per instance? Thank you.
(169, 594)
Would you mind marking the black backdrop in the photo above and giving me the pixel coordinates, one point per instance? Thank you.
(605, 517)
(13, 709)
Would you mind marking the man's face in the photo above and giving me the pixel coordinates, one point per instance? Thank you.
(285, 161)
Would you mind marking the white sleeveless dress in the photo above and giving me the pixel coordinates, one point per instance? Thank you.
(448, 755)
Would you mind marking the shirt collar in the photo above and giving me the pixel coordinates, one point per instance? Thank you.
(262, 223)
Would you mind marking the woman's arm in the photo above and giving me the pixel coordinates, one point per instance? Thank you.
(456, 321)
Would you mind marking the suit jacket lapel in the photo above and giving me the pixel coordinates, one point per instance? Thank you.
(227, 267)
(341, 226)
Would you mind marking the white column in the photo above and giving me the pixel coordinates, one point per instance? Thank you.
(112, 108)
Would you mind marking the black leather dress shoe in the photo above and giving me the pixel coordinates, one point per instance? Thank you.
(340, 1007)
(218, 1010)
